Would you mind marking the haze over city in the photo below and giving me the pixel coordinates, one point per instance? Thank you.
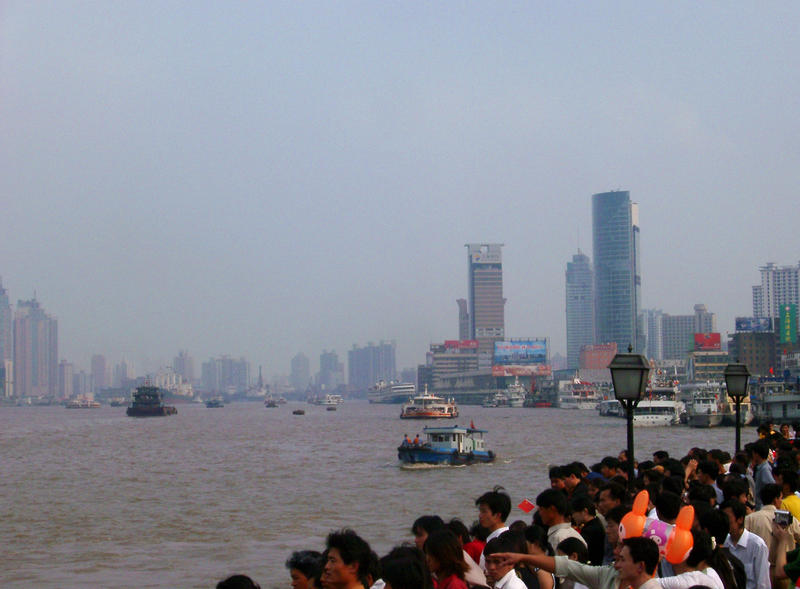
(260, 180)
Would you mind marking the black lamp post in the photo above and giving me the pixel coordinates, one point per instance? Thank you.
(629, 376)
(736, 380)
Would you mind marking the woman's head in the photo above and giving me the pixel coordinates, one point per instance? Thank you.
(536, 540)
(445, 555)
(304, 566)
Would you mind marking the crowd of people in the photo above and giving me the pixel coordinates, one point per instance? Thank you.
(744, 531)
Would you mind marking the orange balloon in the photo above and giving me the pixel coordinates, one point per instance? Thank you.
(633, 522)
(680, 542)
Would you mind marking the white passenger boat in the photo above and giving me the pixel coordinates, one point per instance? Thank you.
(391, 392)
(429, 406)
(577, 394)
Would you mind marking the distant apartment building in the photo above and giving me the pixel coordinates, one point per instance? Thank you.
(677, 331)
(99, 372)
(617, 276)
(451, 358)
(66, 372)
(486, 302)
(6, 379)
(81, 384)
(780, 285)
(122, 375)
(579, 307)
(225, 375)
(183, 364)
(35, 351)
(331, 371)
(651, 323)
(368, 365)
(758, 350)
(6, 330)
(300, 372)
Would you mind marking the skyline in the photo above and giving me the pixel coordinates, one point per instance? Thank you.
(262, 180)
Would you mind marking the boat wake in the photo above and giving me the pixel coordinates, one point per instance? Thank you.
(420, 466)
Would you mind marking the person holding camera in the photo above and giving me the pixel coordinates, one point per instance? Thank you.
(761, 523)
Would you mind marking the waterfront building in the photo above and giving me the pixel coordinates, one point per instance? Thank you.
(451, 358)
(617, 277)
(66, 372)
(653, 339)
(579, 307)
(707, 365)
(6, 337)
(463, 319)
(300, 372)
(99, 372)
(486, 302)
(758, 350)
(35, 351)
(225, 375)
(368, 365)
(594, 361)
(183, 364)
(780, 285)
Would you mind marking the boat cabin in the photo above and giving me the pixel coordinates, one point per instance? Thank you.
(455, 438)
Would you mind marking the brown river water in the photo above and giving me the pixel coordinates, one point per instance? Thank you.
(92, 498)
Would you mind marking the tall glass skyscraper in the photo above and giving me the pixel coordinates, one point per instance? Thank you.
(580, 307)
(617, 278)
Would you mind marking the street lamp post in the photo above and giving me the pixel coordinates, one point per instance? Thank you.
(736, 380)
(629, 376)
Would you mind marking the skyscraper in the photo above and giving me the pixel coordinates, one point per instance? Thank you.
(300, 375)
(35, 351)
(331, 371)
(780, 285)
(368, 365)
(486, 302)
(463, 319)
(99, 372)
(580, 307)
(6, 351)
(617, 280)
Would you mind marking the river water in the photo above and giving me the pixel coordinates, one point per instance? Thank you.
(92, 498)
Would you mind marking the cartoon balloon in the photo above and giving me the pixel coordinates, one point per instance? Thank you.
(680, 542)
(659, 532)
(632, 524)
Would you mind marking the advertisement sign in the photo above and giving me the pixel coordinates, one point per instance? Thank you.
(520, 352)
(707, 342)
(463, 344)
(788, 321)
(517, 370)
(753, 324)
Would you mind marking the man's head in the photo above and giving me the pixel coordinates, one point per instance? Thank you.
(609, 466)
(771, 495)
(668, 505)
(637, 561)
(553, 506)
(613, 519)
(735, 512)
(610, 496)
(736, 488)
(572, 475)
(493, 508)
(660, 456)
(707, 471)
(788, 481)
(556, 476)
(760, 452)
(495, 569)
(347, 560)
(423, 526)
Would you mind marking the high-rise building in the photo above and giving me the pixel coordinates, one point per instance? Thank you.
(486, 302)
(331, 371)
(66, 371)
(580, 307)
(183, 365)
(300, 375)
(677, 331)
(651, 323)
(463, 319)
(225, 375)
(617, 279)
(123, 374)
(368, 365)
(780, 285)
(35, 351)
(6, 339)
(99, 372)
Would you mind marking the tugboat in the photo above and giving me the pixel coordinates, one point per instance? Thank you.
(216, 403)
(452, 445)
(147, 402)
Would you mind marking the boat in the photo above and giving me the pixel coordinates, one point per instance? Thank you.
(216, 403)
(452, 445)
(83, 404)
(512, 396)
(331, 401)
(657, 412)
(577, 394)
(609, 408)
(117, 402)
(147, 402)
(270, 403)
(703, 408)
(299, 412)
(428, 406)
(330, 408)
(391, 392)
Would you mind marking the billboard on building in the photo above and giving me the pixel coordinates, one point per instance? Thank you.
(707, 342)
(461, 344)
(520, 352)
(753, 324)
(788, 320)
(520, 370)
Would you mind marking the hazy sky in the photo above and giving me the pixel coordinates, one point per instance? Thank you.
(260, 179)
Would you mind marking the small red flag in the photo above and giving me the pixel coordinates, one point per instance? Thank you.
(471, 424)
(527, 506)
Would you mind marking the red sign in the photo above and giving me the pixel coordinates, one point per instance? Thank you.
(707, 342)
(463, 344)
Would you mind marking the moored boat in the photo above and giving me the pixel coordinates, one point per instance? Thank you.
(577, 394)
(429, 406)
(147, 402)
(83, 404)
(453, 445)
(704, 406)
(216, 403)
(391, 392)
(299, 412)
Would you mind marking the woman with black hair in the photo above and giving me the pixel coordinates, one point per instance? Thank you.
(536, 543)
(446, 560)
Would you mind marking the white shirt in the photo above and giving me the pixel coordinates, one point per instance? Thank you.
(510, 581)
(491, 536)
(707, 578)
(754, 554)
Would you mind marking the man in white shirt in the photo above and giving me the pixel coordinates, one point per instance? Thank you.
(499, 572)
(746, 546)
(553, 508)
(493, 509)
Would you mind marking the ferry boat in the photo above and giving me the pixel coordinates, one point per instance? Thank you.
(331, 401)
(577, 394)
(216, 403)
(452, 445)
(147, 402)
(391, 392)
(609, 408)
(703, 408)
(429, 406)
(83, 404)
